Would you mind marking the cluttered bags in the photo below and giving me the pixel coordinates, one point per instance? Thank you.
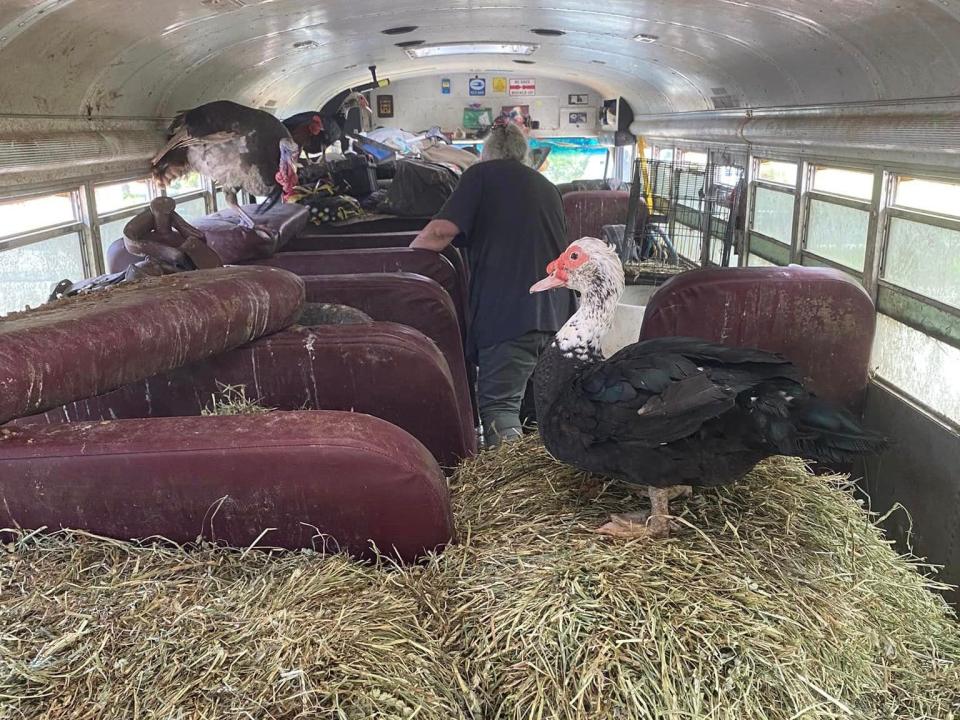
(419, 189)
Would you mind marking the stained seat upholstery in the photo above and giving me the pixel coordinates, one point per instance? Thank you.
(587, 211)
(87, 345)
(386, 370)
(820, 319)
(408, 299)
(384, 260)
(327, 480)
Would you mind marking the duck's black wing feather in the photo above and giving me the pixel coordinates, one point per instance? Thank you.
(661, 390)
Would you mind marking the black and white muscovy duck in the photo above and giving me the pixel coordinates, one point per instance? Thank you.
(670, 413)
(239, 147)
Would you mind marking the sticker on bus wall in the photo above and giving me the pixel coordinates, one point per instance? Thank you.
(445, 86)
(478, 86)
(499, 85)
(523, 86)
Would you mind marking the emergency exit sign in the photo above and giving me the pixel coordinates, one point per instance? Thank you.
(523, 86)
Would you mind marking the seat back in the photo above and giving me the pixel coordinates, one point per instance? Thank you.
(382, 369)
(385, 260)
(587, 211)
(820, 319)
(383, 224)
(327, 480)
(349, 241)
(86, 345)
(371, 241)
(407, 299)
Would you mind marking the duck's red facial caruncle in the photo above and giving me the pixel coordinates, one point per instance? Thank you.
(559, 270)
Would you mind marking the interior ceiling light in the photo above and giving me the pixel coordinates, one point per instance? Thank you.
(402, 30)
(645, 38)
(409, 43)
(472, 48)
(548, 32)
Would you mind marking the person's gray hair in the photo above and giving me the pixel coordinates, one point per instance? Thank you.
(505, 142)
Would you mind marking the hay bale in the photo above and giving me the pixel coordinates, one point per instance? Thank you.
(778, 599)
(95, 629)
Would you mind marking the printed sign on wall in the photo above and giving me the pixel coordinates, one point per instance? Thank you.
(478, 86)
(385, 106)
(445, 86)
(523, 86)
(499, 85)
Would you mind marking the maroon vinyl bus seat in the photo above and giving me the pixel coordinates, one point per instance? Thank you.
(390, 371)
(315, 243)
(587, 211)
(84, 346)
(384, 260)
(348, 241)
(407, 299)
(820, 319)
(327, 480)
(377, 224)
(229, 239)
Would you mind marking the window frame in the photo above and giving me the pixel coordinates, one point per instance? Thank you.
(88, 221)
(804, 255)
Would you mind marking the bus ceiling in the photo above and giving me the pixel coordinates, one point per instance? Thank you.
(139, 58)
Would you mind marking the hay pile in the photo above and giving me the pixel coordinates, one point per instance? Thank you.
(777, 600)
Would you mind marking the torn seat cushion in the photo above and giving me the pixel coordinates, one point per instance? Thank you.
(587, 211)
(89, 344)
(327, 480)
(231, 241)
(390, 371)
(820, 319)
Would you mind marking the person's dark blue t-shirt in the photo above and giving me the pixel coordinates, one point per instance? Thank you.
(512, 225)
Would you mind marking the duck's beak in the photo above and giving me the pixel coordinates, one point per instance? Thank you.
(550, 282)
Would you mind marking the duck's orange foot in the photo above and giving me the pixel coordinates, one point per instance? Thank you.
(636, 526)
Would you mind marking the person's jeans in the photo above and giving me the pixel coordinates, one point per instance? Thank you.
(504, 370)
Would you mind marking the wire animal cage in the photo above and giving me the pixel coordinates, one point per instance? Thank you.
(685, 214)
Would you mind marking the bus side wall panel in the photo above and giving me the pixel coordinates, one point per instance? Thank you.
(920, 472)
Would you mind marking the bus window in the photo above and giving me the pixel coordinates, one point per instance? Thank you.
(118, 196)
(573, 158)
(757, 261)
(924, 258)
(36, 213)
(838, 233)
(41, 245)
(773, 214)
(929, 195)
(698, 159)
(191, 196)
(775, 171)
(931, 373)
(840, 181)
(838, 216)
(185, 184)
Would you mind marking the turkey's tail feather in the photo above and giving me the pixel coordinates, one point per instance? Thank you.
(171, 165)
(272, 199)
